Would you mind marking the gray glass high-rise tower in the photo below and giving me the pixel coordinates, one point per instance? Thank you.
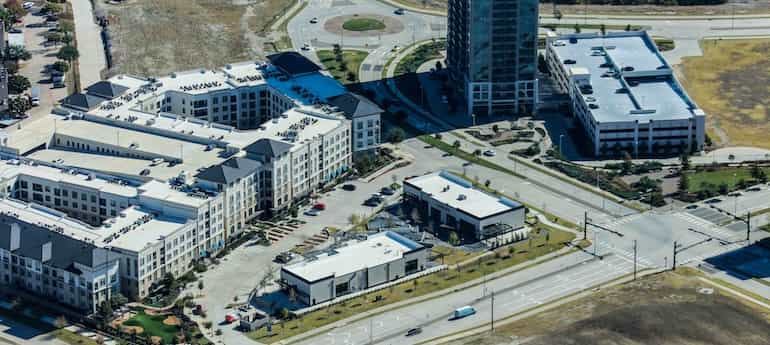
(492, 54)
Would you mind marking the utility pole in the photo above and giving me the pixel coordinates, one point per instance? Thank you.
(585, 225)
(673, 266)
(492, 312)
(748, 228)
(634, 259)
(371, 335)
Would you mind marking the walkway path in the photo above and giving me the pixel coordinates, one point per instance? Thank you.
(89, 42)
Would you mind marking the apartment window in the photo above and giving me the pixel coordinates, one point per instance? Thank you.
(74, 195)
(83, 197)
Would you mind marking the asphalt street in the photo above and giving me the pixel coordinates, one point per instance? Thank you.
(514, 293)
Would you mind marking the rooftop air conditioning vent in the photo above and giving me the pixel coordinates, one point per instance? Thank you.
(462, 197)
(570, 62)
(593, 106)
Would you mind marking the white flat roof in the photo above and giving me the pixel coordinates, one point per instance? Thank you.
(458, 193)
(9, 170)
(376, 250)
(135, 228)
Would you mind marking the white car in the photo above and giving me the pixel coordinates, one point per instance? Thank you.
(489, 153)
(314, 20)
(27, 5)
(305, 46)
(312, 212)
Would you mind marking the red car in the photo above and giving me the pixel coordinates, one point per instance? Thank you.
(319, 206)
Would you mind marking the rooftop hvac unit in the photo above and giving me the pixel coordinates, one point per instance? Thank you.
(462, 197)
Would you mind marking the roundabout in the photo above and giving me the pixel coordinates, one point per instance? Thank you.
(363, 25)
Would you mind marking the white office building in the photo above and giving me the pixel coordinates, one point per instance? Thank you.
(354, 266)
(624, 94)
(451, 202)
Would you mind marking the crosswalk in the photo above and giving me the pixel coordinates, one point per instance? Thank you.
(624, 253)
(707, 226)
(622, 221)
(721, 250)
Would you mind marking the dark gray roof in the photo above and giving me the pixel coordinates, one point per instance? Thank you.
(82, 101)
(106, 89)
(354, 105)
(65, 250)
(293, 63)
(230, 170)
(268, 147)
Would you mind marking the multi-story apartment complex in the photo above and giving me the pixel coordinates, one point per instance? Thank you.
(148, 175)
(492, 55)
(150, 229)
(624, 94)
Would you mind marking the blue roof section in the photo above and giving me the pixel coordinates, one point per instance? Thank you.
(412, 245)
(651, 91)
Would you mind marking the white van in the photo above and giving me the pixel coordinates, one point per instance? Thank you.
(34, 96)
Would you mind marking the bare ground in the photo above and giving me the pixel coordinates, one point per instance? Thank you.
(741, 7)
(152, 37)
(666, 308)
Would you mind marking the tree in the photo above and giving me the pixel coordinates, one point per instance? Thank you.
(51, 7)
(685, 160)
(723, 188)
(603, 29)
(628, 27)
(60, 322)
(439, 65)
(267, 278)
(68, 53)
(354, 220)
(396, 135)
(16, 8)
(477, 152)
(487, 183)
(456, 144)
(18, 106)
(18, 83)
(577, 28)
(284, 313)
(200, 285)
(118, 299)
(558, 15)
(495, 128)
(54, 37)
(17, 53)
(351, 76)
(453, 238)
(105, 310)
(684, 183)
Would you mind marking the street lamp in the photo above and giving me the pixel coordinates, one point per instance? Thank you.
(561, 136)
(473, 118)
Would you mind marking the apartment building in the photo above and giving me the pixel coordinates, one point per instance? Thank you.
(156, 227)
(492, 55)
(624, 94)
(40, 256)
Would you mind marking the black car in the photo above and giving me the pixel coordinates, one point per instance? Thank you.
(387, 191)
(413, 331)
(372, 202)
(349, 187)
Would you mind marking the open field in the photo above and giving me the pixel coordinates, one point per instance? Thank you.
(351, 58)
(546, 9)
(666, 308)
(731, 177)
(730, 82)
(158, 37)
(503, 258)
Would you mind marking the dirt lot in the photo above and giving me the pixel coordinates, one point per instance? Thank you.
(667, 308)
(741, 7)
(730, 82)
(153, 37)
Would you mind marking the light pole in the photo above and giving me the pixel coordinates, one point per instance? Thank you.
(561, 136)
(473, 118)
(634, 259)
(492, 312)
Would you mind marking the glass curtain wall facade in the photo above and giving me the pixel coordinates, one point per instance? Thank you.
(492, 55)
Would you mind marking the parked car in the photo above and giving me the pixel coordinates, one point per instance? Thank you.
(144, 172)
(413, 331)
(284, 257)
(489, 153)
(14, 31)
(754, 189)
(713, 201)
(314, 20)
(312, 212)
(387, 191)
(735, 194)
(27, 5)
(230, 318)
(34, 96)
(372, 202)
(463, 312)
(319, 206)
(349, 187)
(399, 11)
(305, 46)
(691, 207)
(198, 309)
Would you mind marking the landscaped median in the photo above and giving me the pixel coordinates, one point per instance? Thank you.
(342, 64)
(543, 240)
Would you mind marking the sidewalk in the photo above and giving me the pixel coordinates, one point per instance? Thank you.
(89, 43)
(414, 9)
(480, 280)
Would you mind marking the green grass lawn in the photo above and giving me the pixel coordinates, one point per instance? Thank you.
(153, 326)
(363, 24)
(423, 53)
(352, 60)
(72, 338)
(504, 257)
(720, 176)
(452, 255)
(590, 26)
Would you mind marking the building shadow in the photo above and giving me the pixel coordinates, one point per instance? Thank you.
(746, 263)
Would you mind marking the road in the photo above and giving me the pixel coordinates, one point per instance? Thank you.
(89, 42)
